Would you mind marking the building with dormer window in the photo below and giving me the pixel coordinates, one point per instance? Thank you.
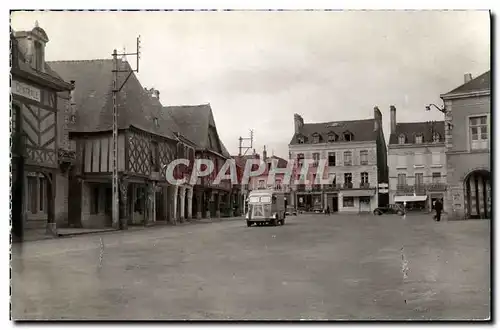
(356, 161)
(40, 110)
(417, 163)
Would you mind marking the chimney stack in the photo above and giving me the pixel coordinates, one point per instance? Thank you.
(264, 154)
(393, 119)
(377, 115)
(467, 77)
(299, 122)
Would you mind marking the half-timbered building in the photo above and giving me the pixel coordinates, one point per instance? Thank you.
(39, 112)
(146, 143)
(197, 124)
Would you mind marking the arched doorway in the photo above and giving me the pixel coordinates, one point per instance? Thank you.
(477, 194)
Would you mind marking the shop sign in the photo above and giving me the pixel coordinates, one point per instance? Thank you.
(26, 90)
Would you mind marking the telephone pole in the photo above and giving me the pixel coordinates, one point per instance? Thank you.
(116, 89)
(246, 147)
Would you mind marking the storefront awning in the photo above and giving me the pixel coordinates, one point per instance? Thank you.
(402, 199)
(358, 193)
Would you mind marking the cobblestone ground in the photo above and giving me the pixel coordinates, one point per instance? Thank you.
(314, 267)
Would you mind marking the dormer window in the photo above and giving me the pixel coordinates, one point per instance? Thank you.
(402, 139)
(348, 136)
(300, 139)
(436, 137)
(332, 137)
(419, 138)
(316, 138)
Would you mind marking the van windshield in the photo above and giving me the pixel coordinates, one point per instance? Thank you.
(260, 199)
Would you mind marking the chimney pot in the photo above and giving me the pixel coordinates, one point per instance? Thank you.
(467, 77)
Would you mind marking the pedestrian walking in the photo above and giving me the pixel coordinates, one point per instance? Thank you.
(438, 206)
(328, 210)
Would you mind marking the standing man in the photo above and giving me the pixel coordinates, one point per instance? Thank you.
(438, 206)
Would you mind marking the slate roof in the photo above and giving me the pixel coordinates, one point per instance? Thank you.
(94, 99)
(412, 129)
(193, 122)
(362, 130)
(480, 83)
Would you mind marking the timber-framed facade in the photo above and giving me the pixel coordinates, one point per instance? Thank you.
(39, 109)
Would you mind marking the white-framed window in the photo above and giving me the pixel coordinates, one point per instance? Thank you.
(315, 158)
(401, 160)
(418, 159)
(436, 177)
(348, 180)
(363, 157)
(347, 158)
(364, 177)
(348, 201)
(419, 179)
(278, 184)
(419, 138)
(478, 126)
(316, 138)
(401, 179)
(436, 137)
(436, 158)
(262, 184)
(331, 159)
(402, 139)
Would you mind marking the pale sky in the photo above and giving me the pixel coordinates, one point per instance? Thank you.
(257, 69)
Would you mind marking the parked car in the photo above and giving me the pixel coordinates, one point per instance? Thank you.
(290, 211)
(389, 209)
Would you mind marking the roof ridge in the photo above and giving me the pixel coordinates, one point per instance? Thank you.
(186, 105)
(340, 121)
(421, 122)
(75, 61)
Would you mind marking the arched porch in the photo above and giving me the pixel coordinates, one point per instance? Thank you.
(477, 194)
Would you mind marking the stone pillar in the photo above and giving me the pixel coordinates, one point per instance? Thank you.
(190, 202)
(199, 203)
(123, 215)
(182, 193)
(217, 205)
(174, 204)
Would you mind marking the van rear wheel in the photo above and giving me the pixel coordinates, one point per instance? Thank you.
(249, 223)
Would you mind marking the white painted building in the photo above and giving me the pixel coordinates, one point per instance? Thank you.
(356, 157)
(417, 163)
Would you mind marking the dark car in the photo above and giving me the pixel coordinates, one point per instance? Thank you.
(290, 211)
(389, 209)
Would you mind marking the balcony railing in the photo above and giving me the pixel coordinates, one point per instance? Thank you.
(347, 185)
(421, 188)
(301, 187)
(364, 185)
(316, 187)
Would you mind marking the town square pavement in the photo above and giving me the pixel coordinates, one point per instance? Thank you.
(338, 267)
